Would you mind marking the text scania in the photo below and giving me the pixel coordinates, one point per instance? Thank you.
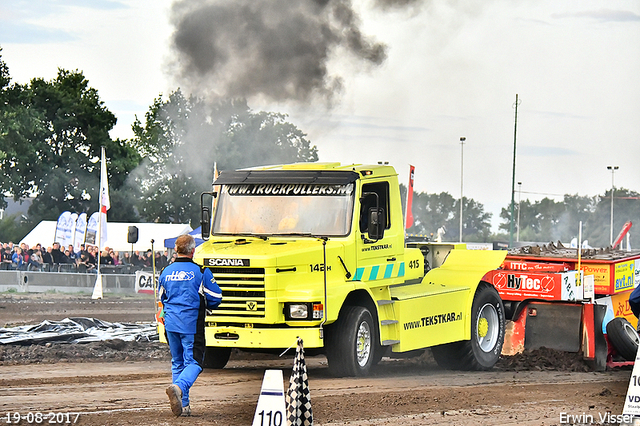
(290, 189)
(226, 262)
(433, 320)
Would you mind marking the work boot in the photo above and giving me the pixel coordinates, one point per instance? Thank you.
(186, 411)
(175, 399)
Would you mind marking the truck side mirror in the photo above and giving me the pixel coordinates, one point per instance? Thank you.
(205, 215)
(377, 223)
(205, 222)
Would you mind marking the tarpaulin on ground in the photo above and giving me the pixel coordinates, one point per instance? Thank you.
(76, 330)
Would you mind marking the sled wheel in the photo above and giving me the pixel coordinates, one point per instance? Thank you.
(623, 337)
(351, 343)
(487, 335)
(216, 358)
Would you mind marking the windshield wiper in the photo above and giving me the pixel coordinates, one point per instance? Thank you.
(296, 234)
(262, 237)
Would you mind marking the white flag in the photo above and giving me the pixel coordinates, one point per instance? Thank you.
(63, 231)
(93, 223)
(81, 230)
(105, 204)
(71, 231)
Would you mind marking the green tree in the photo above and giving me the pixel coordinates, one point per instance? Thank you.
(538, 221)
(626, 207)
(529, 221)
(476, 223)
(5, 78)
(432, 211)
(14, 228)
(20, 126)
(51, 134)
(181, 139)
(577, 209)
(547, 220)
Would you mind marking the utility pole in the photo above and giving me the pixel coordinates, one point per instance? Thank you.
(613, 170)
(462, 139)
(513, 176)
(519, 197)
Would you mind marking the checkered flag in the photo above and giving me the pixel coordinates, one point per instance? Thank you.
(298, 397)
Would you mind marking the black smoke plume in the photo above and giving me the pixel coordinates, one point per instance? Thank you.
(275, 49)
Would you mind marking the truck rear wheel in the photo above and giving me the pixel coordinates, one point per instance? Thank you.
(216, 358)
(350, 343)
(487, 335)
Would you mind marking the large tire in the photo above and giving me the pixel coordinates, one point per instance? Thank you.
(216, 358)
(351, 343)
(623, 337)
(487, 335)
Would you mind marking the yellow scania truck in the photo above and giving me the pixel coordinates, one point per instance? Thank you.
(317, 251)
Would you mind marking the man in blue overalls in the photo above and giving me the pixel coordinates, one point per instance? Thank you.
(186, 291)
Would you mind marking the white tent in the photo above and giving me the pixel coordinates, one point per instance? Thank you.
(117, 232)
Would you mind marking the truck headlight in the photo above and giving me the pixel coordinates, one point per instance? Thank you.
(298, 311)
(304, 311)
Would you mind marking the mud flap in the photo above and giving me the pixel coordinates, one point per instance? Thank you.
(595, 347)
(554, 326)
(601, 340)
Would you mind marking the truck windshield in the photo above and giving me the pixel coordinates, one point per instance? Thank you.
(281, 209)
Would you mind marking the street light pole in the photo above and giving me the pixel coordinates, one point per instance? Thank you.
(613, 169)
(519, 196)
(513, 173)
(462, 139)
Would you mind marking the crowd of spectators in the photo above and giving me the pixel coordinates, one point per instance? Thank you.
(59, 259)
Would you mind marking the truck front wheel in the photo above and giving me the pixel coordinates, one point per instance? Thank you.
(216, 358)
(487, 335)
(350, 343)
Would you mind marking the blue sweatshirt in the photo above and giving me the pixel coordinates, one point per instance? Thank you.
(185, 291)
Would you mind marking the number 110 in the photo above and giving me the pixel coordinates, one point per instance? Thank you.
(273, 419)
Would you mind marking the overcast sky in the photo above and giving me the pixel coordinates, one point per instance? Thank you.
(447, 70)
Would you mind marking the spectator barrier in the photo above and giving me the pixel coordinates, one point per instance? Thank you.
(114, 281)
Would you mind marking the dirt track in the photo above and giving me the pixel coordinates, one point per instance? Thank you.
(400, 392)
(18, 309)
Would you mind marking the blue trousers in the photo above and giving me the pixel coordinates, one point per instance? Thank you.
(184, 368)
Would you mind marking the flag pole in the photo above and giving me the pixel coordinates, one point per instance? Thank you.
(406, 203)
(97, 288)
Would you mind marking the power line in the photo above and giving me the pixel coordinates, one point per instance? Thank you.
(543, 193)
(562, 195)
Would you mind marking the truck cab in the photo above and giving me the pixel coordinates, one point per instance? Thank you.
(317, 251)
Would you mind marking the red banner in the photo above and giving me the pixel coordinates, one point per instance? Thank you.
(409, 213)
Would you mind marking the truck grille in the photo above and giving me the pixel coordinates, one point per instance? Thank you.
(242, 292)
